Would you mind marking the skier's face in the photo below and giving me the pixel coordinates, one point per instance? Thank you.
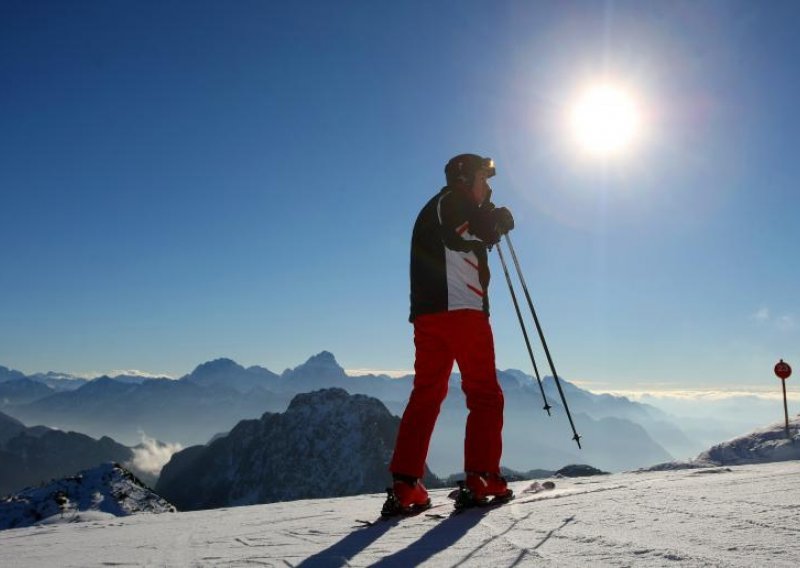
(480, 186)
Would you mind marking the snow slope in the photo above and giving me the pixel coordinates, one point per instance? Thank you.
(725, 516)
(768, 444)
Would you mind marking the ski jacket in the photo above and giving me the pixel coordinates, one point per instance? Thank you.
(449, 260)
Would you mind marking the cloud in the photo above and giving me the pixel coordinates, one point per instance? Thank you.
(784, 322)
(762, 315)
(117, 372)
(137, 373)
(708, 395)
(394, 373)
(150, 456)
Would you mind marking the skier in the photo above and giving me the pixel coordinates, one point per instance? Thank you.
(450, 313)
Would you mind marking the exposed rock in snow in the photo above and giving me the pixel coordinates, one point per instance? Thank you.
(579, 470)
(108, 489)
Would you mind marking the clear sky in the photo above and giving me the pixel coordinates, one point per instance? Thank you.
(181, 181)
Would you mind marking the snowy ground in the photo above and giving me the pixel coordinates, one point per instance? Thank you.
(737, 516)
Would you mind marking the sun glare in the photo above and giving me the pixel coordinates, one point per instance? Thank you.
(605, 120)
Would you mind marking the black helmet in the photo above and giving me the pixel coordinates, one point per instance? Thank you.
(462, 168)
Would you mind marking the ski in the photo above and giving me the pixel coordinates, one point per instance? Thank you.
(392, 511)
(466, 499)
(474, 506)
(400, 516)
(462, 501)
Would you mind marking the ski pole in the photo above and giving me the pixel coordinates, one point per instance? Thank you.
(547, 406)
(576, 436)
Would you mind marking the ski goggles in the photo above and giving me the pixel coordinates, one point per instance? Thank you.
(488, 165)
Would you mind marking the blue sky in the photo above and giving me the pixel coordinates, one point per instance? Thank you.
(181, 181)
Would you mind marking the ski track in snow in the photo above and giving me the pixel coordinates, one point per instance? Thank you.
(737, 516)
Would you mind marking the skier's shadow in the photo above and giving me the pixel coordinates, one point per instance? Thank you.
(440, 537)
(342, 552)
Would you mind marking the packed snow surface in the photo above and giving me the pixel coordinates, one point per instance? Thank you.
(724, 516)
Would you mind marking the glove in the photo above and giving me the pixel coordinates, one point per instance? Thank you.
(503, 220)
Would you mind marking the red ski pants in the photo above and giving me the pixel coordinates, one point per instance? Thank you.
(462, 336)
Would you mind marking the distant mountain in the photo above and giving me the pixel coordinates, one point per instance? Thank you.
(319, 372)
(618, 433)
(22, 391)
(9, 427)
(656, 422)
(229, 374)
(768, 444)
(59, 381)
(32, 455)
(105, 490)
(327, 443)
(173, 410)
(7, 374)
(321, 369)
(532, 439)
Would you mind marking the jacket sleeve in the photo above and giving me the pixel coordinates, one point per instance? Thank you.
(458, 216)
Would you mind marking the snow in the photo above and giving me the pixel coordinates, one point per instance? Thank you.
(746, 515)
(108, 490)
(768, 444)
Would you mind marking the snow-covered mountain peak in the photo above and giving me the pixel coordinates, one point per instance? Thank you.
(322, 404)
(108, 489)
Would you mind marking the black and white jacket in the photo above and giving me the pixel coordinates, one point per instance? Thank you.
(449, 260)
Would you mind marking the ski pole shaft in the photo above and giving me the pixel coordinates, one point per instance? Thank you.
(786, 410)
(547, 406)
(575, 436)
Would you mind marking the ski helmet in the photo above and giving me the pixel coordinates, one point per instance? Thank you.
(462, 168)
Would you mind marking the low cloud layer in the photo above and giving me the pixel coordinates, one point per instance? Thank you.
(151, 455)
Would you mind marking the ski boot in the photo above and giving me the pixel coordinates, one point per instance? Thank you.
(481, 489)
(407, 496)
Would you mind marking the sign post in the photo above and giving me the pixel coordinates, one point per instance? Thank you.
(784, 371)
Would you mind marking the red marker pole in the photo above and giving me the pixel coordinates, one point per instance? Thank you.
(784, 371)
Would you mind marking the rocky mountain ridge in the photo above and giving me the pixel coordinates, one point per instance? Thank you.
(327, 443)
(105, 490)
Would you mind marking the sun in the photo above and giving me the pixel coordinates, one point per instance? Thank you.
(605, 120)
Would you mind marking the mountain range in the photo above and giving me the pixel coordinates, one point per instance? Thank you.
(617, 433)
(32, 455)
